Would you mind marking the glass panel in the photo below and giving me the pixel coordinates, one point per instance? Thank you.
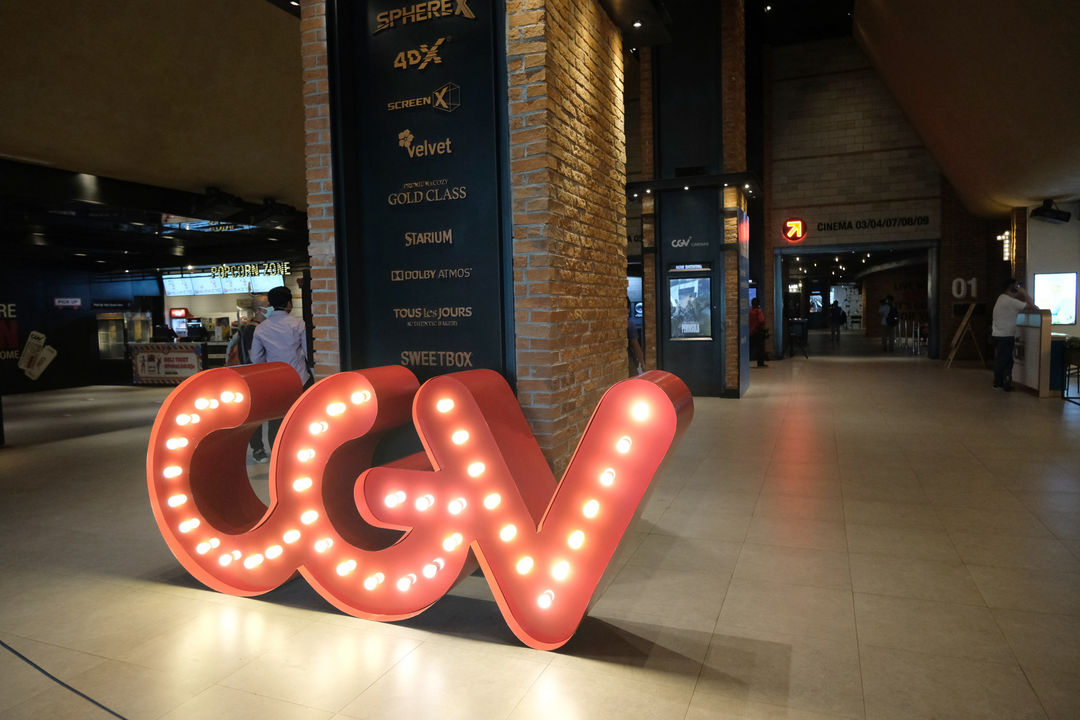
(691, 307)
(111, 338)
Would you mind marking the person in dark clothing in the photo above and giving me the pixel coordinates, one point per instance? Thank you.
(758, 333)
(836, 319)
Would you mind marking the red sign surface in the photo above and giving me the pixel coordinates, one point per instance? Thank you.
(385, 543)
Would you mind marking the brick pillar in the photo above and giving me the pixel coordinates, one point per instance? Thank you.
(568, 178)
(320, 189)
(733, 83)
(568, 184)
(648, 210)
(734, 199)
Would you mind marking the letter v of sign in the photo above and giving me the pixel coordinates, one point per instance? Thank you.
(390, 543)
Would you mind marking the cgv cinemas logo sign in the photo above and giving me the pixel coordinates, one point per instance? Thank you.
(415, 13)
(446, 99)
(433, 316)
(427, 191)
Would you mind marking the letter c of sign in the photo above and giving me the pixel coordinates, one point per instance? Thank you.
(385, 543)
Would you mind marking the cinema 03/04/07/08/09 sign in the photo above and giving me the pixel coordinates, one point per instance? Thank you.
(385, 543)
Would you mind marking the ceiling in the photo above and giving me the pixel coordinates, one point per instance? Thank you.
(991, 88)
(116, 114)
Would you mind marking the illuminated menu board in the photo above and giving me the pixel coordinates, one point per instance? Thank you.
(421, 181)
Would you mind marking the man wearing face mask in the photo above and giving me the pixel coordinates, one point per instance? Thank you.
(281, 337)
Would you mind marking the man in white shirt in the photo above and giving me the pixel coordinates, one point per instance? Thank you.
(1013, 299)
(281, 337)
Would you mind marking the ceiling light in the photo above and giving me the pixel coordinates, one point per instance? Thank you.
(637, 23)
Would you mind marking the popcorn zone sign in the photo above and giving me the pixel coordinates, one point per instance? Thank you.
(385, 543)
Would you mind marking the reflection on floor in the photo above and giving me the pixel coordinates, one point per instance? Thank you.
(853, 539)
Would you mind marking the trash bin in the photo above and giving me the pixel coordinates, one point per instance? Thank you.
(797, 335)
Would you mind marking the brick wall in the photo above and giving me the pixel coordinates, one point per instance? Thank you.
(320, 189)
(568, 176)
(841, 147)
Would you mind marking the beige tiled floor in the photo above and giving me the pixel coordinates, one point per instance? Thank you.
(870, 537)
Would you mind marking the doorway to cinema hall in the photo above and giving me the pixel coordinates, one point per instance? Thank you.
(857, 277)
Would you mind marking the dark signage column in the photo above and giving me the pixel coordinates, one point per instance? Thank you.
(418, 183)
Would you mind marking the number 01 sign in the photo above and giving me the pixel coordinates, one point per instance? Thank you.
(385, 543)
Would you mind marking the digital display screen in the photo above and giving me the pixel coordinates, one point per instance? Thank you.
(691, 307)
(1056, 292)
(206, 284)
(263, 283)
(177, 286)
(234, 285)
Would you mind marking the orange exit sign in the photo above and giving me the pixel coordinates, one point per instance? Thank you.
(794, 230)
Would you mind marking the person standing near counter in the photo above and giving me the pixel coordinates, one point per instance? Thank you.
(1012, 300)
(281, 337)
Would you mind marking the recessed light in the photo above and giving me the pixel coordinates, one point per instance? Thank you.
(637, 23)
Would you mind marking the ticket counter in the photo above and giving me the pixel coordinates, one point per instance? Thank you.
(1031, 353)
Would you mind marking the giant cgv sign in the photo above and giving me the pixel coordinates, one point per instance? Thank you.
(385, 543)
